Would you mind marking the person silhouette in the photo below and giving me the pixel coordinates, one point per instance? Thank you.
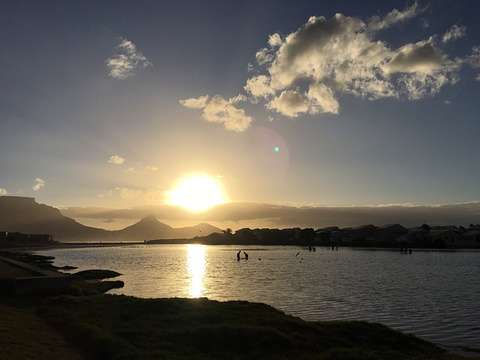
(238, 255)
(246, 255)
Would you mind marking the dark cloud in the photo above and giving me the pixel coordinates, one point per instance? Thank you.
(281, 216)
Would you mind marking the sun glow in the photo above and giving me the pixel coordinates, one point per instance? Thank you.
(197, 193)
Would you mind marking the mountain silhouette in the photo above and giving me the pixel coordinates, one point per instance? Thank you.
(149, 228)
(25, 215)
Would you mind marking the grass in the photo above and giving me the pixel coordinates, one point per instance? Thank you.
(121, 327)
(23, 335)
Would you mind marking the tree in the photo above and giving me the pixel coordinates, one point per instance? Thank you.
(425, 227)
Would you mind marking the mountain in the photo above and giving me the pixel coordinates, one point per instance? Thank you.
(25, 215)
(199, 230)
(149, 228)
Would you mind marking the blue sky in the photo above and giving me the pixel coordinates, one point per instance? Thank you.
(108, 104)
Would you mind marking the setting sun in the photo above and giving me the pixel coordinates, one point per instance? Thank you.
(197, 193)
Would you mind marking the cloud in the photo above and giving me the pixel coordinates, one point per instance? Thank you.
(342, 55)
(290, 103)
(141, 195)
(259, 86)
(422, 57)
(377, 23)
(126, 60)
(39, 183)
(454, 33)
(3, 191)
(222, 111)
(198, 103)
(246, 214)
(474, 58)
(150, 169)
(129, 194)
(115, 159)
(307, 71)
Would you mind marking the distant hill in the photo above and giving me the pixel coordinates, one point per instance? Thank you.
(25, 215)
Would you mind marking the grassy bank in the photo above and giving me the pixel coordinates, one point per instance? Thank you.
(121, 327)
(86, 324)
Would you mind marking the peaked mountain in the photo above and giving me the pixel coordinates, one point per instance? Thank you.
(25, 215)
(149, 228)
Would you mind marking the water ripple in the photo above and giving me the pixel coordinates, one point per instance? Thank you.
(433, 294)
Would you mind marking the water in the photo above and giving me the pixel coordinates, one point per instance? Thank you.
(432, 294)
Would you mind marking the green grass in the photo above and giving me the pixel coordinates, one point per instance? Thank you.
(23, 335)
(121, 327)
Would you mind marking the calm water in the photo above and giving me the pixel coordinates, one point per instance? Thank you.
(432, 294)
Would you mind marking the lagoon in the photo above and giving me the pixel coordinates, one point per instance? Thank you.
(432, 294)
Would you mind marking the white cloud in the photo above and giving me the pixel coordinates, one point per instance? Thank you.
(198, 103)
(126, 60)
(259, 86)
(322, 99)
(307, 71)
(274, 40)
(221, 111)
(377, 23)
(454, 33)
(115, 159)
(290, 103)
(474, 58)
(422, 85)
(324, 58)
(422, 57)
(3, 191)
(150, 169)
(39, 183)
(130, 170)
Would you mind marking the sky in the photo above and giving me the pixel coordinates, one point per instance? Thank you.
(308, 113)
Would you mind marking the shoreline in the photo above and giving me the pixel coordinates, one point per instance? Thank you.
(112, 300)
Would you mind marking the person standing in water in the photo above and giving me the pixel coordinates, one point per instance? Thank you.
(246, 255)
(238, 255)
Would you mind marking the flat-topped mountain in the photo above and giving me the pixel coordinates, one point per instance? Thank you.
(25, 215)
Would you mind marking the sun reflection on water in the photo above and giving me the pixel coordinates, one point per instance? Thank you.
(196, 269)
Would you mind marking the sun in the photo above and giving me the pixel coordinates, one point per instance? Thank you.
(197, 193)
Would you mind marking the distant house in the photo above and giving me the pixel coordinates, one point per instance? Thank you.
(419, 237)
(341, 236)
(245, 234)
(364, 233)
(470, 239)
(392, 233)
(445, 237)
(20, 238)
